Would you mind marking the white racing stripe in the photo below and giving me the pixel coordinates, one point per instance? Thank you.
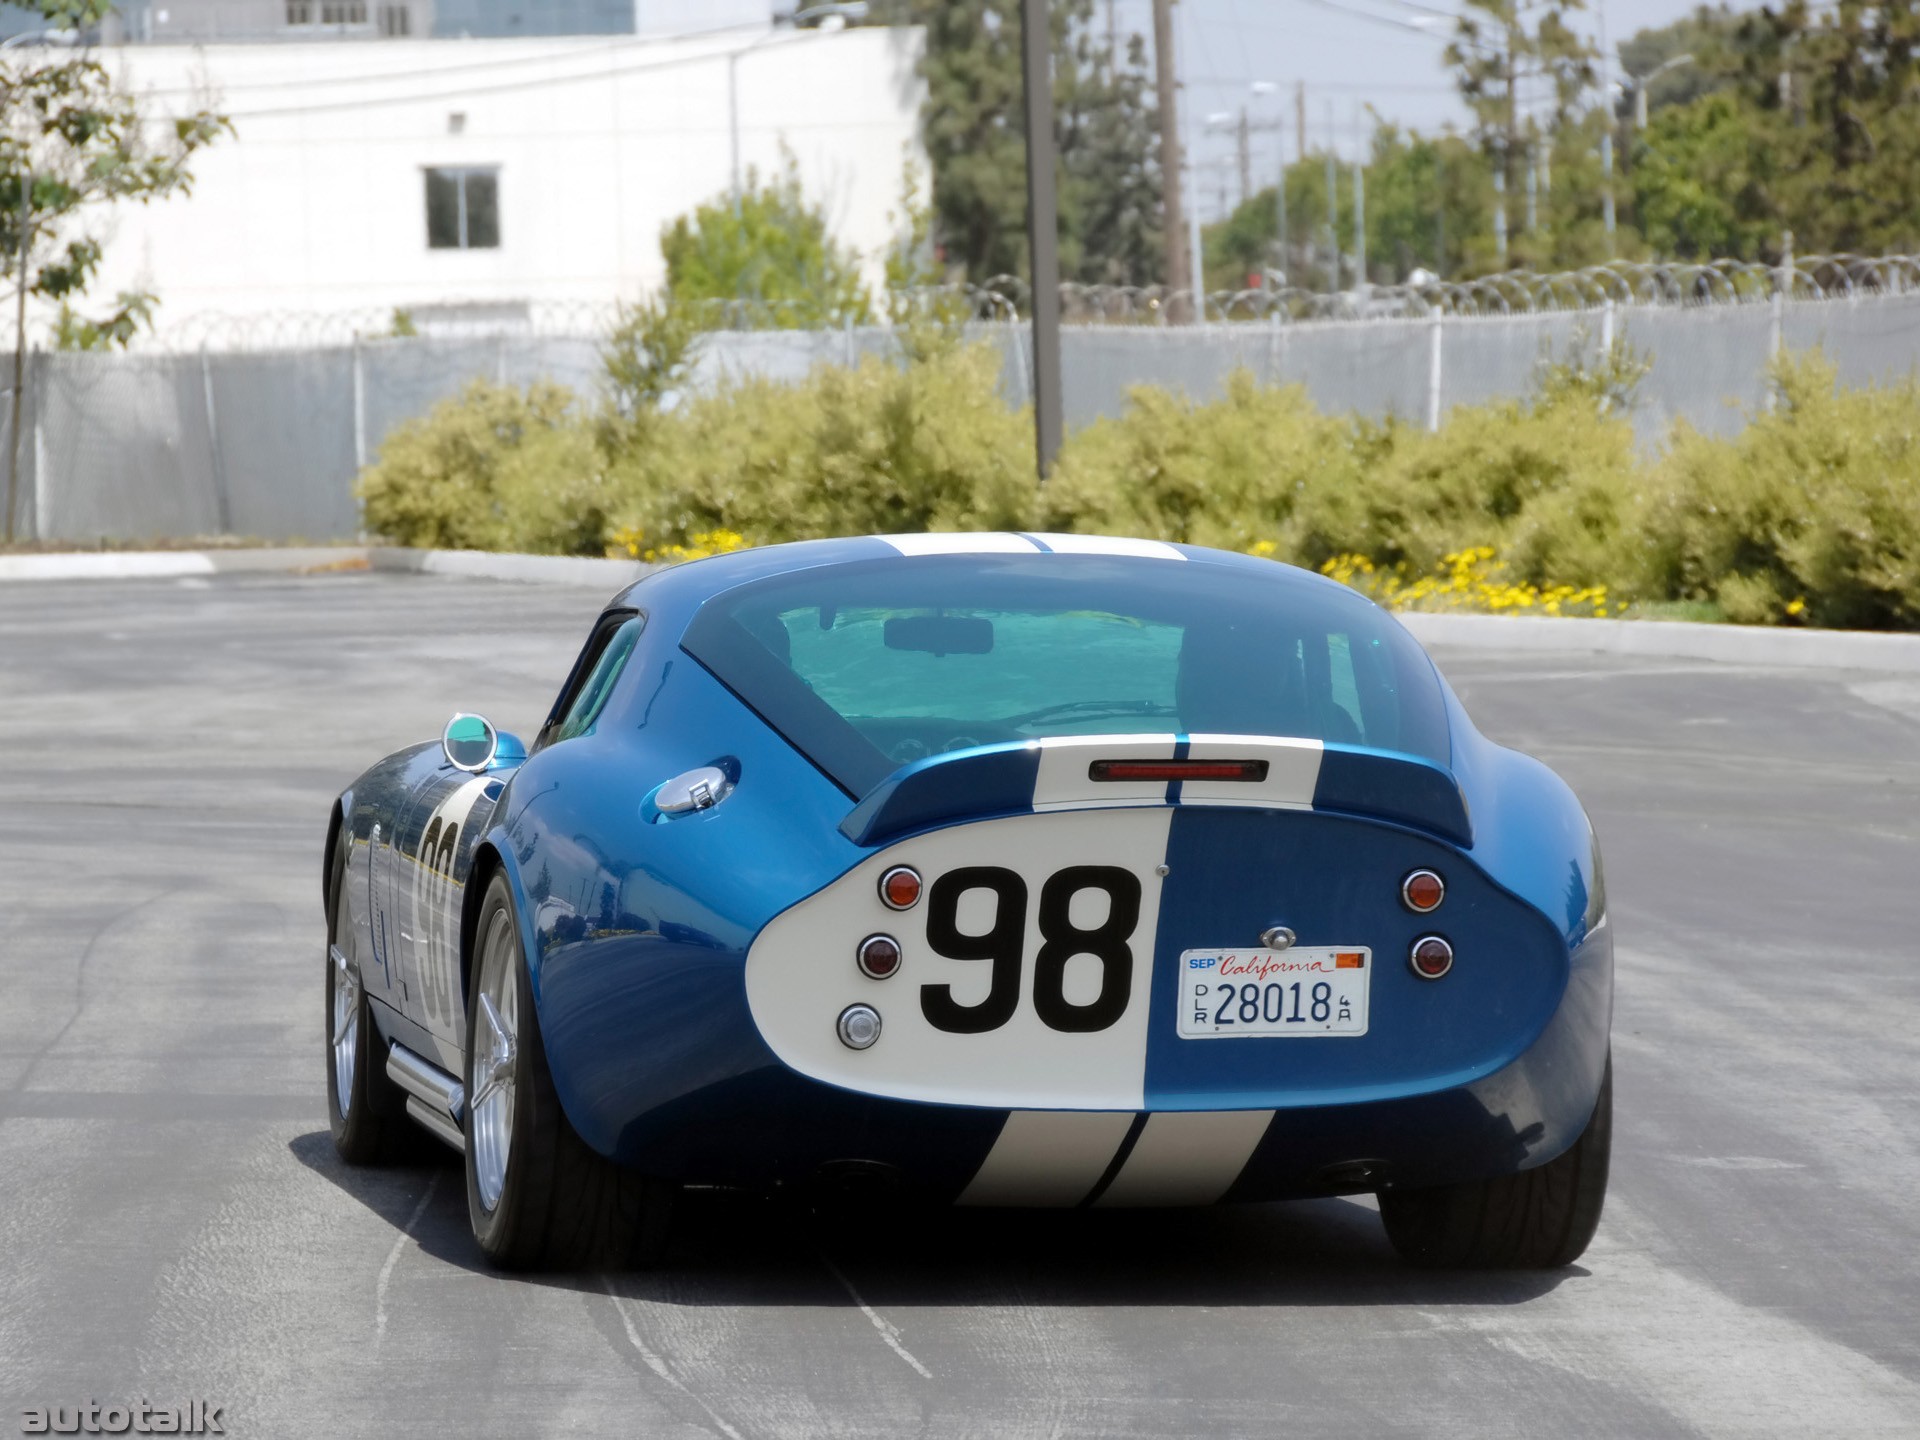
(1187, 1157)
(1063, 784)
(1293, 771)
(983, 544)
(1048, 1157)
(1107, 545)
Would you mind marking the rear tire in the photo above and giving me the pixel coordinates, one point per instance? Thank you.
(539, 1196)
(1539, 1219)
(364, 1107)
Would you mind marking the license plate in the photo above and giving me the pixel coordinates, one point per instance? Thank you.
(1305, 990)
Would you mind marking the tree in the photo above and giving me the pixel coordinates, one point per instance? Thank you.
(1106, 131)
(769, 247)
(1491, 53)
(72, 146)
(1814, 127)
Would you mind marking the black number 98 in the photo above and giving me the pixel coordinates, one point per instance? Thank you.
(1003, 943)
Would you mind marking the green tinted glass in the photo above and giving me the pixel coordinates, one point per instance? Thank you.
(593, 696)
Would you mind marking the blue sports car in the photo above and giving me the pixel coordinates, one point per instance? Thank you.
(1032, 870)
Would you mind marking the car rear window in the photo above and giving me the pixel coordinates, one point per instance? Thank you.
(874, 665)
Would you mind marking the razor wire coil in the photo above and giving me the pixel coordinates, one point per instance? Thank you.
(1006, 299)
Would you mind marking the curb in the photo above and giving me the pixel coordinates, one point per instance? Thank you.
(608, 575)
(1669, 640)
(1536, 634)
(167, 564)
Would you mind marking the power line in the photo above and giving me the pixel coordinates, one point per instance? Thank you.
(505, 87)
(559, 54)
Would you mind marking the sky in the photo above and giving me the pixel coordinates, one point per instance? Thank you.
(1348, 60)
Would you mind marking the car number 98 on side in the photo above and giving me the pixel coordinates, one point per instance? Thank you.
(1302, 991)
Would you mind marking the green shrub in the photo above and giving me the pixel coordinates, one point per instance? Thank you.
(1260, 464)
(494, 469)
(1812, 511)
(1551, 481)
(878, 448)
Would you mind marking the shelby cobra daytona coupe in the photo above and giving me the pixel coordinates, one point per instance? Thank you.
(1007, 869)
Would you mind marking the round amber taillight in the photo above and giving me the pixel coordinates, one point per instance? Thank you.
(900, 887)
(1422, 891)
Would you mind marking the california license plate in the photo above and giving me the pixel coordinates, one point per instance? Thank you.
(1305, 990)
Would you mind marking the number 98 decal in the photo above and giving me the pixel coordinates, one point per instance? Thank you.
(1002, 945)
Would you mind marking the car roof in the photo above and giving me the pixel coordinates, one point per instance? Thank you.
(688, 585)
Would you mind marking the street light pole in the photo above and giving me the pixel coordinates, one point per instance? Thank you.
(19, 348)
(1043, 232)
(1196, 255)
(841, 10)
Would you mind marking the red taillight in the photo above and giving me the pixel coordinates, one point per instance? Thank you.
(900, 887)
(1250, 770)
(878, 956)
(1422, 891)
(1431, 957)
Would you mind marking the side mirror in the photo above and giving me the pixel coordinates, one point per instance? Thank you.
(469, 743)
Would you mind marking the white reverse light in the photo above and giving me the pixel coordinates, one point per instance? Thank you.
(859, 1026)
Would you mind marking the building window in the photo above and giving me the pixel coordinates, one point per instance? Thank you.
(299, 12)
(463, 209)
(343, 12)
(395, 21)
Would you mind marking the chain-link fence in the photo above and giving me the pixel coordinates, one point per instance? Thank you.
(259, 428)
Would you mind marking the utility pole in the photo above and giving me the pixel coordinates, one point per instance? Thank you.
(1173, 216)
(1533, 186)
(1333, 203)
(1300, 120)
(1043, 232)
(1280, 204)
(1245, 138)
(1503, 172)
(1360, 221)
(1606, 135)
(1500, 212)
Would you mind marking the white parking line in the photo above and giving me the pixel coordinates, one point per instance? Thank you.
(1717, 1365)
(887, 1332)
(658, 1365)
(393, 1259)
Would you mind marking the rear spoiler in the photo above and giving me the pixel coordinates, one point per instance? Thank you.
(1100, 771)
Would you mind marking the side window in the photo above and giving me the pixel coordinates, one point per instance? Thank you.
(593, 679)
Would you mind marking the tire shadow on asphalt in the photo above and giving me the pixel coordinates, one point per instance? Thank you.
(736, 1249)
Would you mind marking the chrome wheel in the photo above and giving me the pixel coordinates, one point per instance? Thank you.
(490, 1068)
(346, 1027)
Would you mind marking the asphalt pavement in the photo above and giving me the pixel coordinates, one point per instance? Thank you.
(174, 1225)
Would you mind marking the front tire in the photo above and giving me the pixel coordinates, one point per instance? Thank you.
(363, 1105)
(537, 1195)
(1539, 1219)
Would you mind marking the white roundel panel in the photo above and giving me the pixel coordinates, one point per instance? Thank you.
(1025, 968)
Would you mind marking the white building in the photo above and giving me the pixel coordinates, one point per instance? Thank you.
(413, 175)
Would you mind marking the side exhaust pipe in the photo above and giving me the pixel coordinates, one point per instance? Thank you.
(435, 1099)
